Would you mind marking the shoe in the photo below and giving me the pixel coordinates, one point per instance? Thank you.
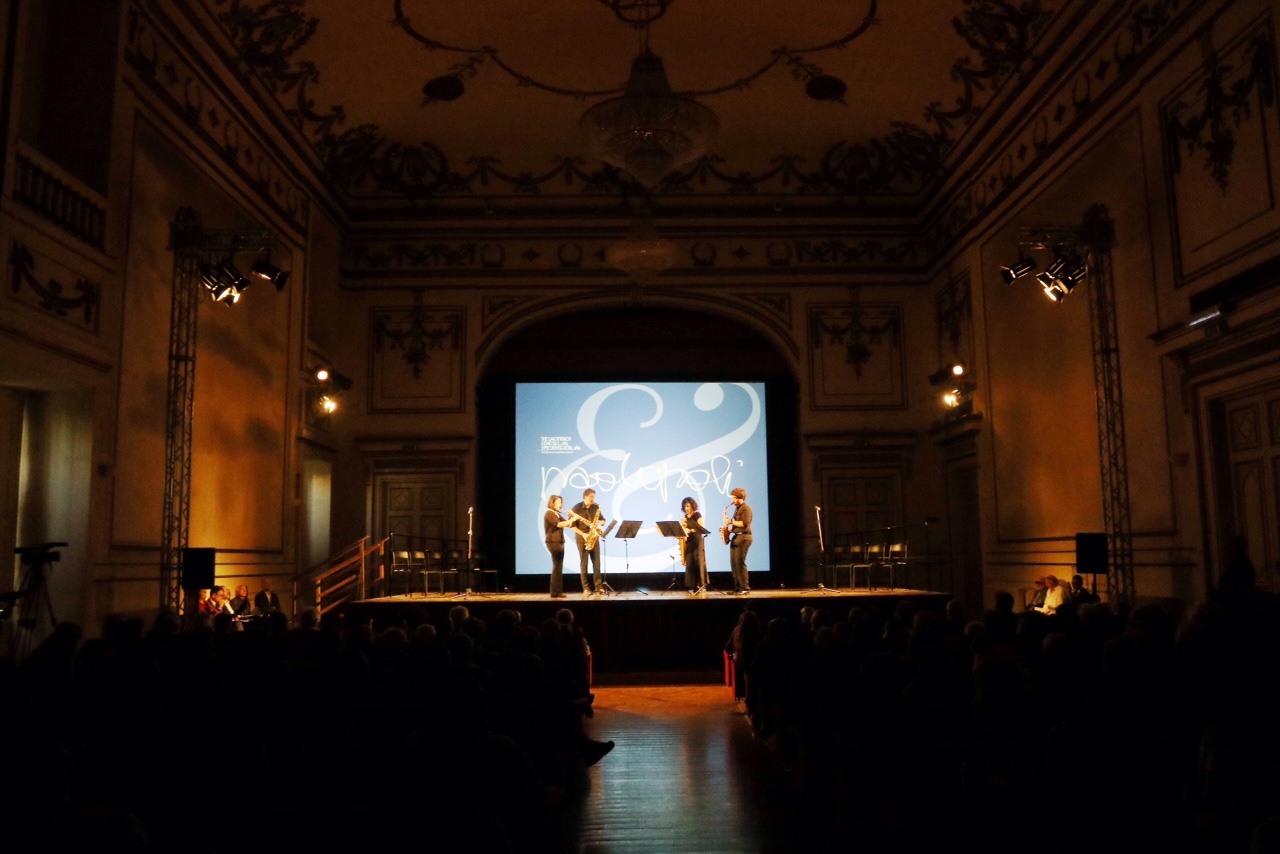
(594, 751)
(586, 591)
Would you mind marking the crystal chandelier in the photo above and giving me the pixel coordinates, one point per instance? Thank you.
(648, 130)
(642, 253)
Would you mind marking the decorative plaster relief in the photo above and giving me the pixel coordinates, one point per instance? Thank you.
(79, 308)
(502, 257)
(1219, 129)
(856, 356)
(417, 358)
(1061, 116)
(195, 103)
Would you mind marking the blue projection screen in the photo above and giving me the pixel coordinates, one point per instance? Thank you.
(643, 447)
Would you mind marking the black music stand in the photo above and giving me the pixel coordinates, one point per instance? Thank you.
(605, 587)
(673, 530)
(626, 532)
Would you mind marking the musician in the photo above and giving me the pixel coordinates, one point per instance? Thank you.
(554, 524)
(585, 516)
(739, 526)
(694, 551)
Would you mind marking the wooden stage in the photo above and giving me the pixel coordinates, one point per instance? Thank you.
(637, 632)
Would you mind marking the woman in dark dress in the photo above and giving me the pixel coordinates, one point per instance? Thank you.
(553, 524)
(694, 554)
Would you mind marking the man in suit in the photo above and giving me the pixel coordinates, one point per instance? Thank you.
(266, 601)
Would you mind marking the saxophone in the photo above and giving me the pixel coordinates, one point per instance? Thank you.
(592, 535)
(728, 527)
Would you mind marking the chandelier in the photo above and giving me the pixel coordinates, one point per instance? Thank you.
(648, 130)
(642, 253)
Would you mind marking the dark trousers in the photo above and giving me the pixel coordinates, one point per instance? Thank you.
(557, 567)
(595, 563)
(738, 560)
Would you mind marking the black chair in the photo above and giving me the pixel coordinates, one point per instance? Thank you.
(453, 563)
(867, 556)
(839, 562)
(478, 572)
(400, 573)
(424, 565)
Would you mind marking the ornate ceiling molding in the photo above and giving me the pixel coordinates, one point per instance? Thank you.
(363, 163)
(1122, 49)
(189, 98)
(374, 260)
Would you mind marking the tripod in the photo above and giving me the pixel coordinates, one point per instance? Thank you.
(33, 593)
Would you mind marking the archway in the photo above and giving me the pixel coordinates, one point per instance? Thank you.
(634, 344)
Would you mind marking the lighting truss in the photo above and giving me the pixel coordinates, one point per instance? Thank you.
(195, 251)
(1092, 241)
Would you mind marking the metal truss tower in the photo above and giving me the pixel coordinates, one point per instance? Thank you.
(194, 250)
(1094, 239)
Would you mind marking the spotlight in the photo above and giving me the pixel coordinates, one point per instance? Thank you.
(1054, 292)
(949, 374)
(1076, 275)
(951, 399)
(269, 272)
(322, 375)
(328, 405)
(1017, 271)
(222, 280)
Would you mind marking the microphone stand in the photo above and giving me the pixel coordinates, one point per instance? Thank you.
(467, 594)
(822, 559)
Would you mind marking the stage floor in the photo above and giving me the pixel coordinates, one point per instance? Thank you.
(648, 596)
(634, 632)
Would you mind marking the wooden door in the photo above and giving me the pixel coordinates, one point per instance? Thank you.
(418, 507)
(861, 502)
(1247, 437)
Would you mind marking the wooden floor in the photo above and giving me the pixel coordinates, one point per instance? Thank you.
(687, 775)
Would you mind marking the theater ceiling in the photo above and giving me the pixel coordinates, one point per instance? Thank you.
(853, 107)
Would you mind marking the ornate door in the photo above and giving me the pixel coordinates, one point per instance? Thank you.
(417, 507)
(1247, 444)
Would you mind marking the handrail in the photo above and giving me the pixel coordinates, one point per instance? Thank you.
(336, 574)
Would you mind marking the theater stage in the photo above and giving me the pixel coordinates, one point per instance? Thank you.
(637, 632)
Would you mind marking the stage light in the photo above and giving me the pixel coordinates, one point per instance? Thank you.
(328, 404)
(223, 281)
(1017, 271)
(265, 270)
(951, 399)
(322, 375)
(949, 374)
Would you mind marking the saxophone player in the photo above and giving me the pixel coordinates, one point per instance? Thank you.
(693, 550)
(739, 526)
(587, 520)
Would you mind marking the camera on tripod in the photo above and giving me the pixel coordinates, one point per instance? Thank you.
(41, 554)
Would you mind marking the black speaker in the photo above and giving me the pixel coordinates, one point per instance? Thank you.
(197, 568)
(1091, 554)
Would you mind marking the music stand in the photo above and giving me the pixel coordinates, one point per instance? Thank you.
(605, 587)
(673, 530)
(626, 532)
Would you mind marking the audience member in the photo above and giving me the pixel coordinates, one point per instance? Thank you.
(266, 601)
(241, 605)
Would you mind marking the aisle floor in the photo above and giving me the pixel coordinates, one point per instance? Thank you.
(687, 775)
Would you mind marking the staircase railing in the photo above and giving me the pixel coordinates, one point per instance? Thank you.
(343, 576)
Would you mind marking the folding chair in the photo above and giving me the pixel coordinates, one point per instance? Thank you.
(400, 573)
